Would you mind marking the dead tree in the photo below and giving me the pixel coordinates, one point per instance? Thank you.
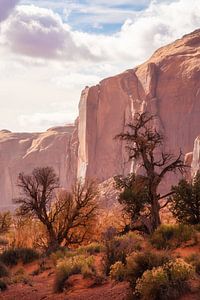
(144, 145)
(65, 215)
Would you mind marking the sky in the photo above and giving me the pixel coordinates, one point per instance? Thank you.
(51, 49)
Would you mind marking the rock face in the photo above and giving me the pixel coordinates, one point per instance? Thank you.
(195, 165)
(167, 85)
(22, 152)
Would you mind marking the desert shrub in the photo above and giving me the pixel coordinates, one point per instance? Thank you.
(58, 255)
(10, 257)
(3, 285)
(27, 255)
(70, 266)
(165, 283)
(91, 248)
(116, 248)
(13, 256)
(138, 263)
(3, 270)
(20, 277)
(194, 260)
(118, 271)
(171, 236)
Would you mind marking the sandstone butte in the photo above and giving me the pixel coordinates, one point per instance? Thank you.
(167, 85)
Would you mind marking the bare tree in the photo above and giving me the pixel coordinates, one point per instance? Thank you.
(66, 218)
(144, 145)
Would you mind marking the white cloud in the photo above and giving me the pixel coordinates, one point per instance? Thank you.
(6, 7)
(45, 120)
(39, 32)
(45, 63)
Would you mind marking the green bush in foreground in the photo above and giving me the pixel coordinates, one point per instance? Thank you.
(166, 282)
(116, 248)
(118, 271)
(70, 266)
(171, 236)
(11, 257)
(91, 248)
(138, 263)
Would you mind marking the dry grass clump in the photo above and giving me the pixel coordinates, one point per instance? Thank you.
(79, 264)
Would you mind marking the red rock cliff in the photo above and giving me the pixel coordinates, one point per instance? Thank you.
(168, 85)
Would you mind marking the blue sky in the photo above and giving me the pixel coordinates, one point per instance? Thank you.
(94, 16)
(50, 50)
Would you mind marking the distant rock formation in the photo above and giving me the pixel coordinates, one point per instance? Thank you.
(22, 152)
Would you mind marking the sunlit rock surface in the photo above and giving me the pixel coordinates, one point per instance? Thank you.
(22, 152)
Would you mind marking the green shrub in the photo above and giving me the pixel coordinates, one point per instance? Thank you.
(171, 236)
(27, 255)
(194, 260)
(118, 271)
(91, 249)
(3, 285)
(138, 263)
(58, 255)
(118, 247)
(70, 266)
(13, 256)
(165, 283)
(10, 257)
(3, 270)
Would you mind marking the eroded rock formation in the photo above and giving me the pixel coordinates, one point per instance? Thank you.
(22, 152)
(167, 85)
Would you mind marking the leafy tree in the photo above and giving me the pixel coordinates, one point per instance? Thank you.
(185, 201)
(144, 145)
(134, 198)
(65, 215)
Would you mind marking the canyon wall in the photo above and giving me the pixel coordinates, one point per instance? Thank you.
(167, 85)
(22, 152)
(195, 164)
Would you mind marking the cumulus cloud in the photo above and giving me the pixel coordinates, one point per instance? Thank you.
(58, 61)
(159, 24)
(6, 7)
(39, 32)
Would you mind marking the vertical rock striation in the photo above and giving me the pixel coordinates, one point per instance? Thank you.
(168, 85)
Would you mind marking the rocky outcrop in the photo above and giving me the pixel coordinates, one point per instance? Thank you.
(22, 152)
(195, 165)
(167, 85)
